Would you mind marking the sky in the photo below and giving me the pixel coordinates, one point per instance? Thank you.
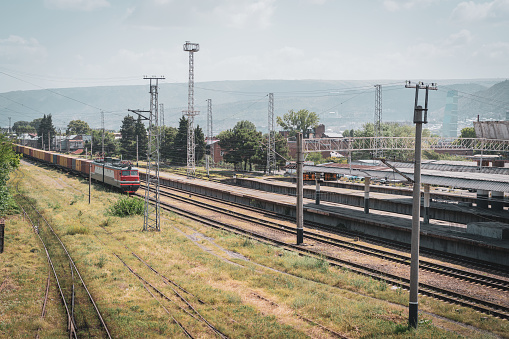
(80, 43)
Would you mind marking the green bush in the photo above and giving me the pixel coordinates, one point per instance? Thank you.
(127, 206)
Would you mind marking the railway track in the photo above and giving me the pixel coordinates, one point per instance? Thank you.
(399, 246)
(83, 316)
(182, 303)
(424, 264)
(426, 289)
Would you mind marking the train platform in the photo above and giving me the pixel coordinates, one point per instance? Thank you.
(441, 207)
(438, 235)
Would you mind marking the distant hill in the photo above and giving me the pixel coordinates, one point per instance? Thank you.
(489, 103)
(340, 104)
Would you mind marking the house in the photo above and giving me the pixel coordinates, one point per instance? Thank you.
(70, 143)
(28, 139)
(215, 150)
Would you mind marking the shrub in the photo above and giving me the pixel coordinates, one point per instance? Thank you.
(127, 206)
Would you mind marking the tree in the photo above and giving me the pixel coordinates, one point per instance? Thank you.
(9, 161)
(140, 136)
(21, 127)
(200, 145)
(111, 146)
(281, 151)
(46, 131)
(468, 132)
(128, 140)
(301, 121)
(240, 144)
(77, 127)
(167, 142)
(36, 123)
(180, 143)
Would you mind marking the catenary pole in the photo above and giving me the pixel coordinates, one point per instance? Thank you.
(419, 119)
(300, 191)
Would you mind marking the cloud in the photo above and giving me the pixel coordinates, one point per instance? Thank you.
(462, 38)
(238, 14)
(77, 5)
(498, 51)
(497, 10)
(245, 13)
(397, 5)
(16, 49)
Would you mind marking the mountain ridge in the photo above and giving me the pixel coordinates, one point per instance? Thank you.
(340, 103)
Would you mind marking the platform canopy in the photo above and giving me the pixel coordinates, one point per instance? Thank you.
(468, 180)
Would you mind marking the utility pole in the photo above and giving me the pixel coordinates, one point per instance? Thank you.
(49, 142)
(419, 119)
(271, 141)
(102, 127)
(209, 133)
(9, 125)
(378, 121)
(191, 113)
(300, 191)
(137, 150)
(89, 182)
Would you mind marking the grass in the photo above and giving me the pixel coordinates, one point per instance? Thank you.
(333, 297)
(23, 273)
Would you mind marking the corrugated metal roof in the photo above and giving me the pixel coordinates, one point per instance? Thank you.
(485, 181)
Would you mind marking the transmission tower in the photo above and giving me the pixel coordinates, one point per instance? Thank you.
(190, 113)
(161, 118)
(378, 121)
(209, 133)
(151, 219)
(102, 128)
(271, 142)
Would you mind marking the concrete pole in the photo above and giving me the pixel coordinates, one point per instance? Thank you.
(413, 307)
(300, 191)
(207, 164)
(89, 183)
(426, 204)
(367, 181)
(317, 191)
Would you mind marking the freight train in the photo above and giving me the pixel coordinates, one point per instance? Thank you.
(109, 171)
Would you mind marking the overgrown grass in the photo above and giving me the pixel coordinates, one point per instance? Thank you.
(127, 207)
(77, 229)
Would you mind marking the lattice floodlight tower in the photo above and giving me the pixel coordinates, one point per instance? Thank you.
(190, 113)
(271, 142)
(378, 122)
(152, 210)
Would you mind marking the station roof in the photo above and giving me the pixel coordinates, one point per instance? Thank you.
(472, 180)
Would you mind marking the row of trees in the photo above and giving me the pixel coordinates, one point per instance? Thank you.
(244, 147)
(173, 142)
(74, 127)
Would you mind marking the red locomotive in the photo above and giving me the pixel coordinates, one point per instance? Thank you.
(111, 172)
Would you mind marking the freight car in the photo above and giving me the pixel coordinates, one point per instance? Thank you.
(109, 171)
